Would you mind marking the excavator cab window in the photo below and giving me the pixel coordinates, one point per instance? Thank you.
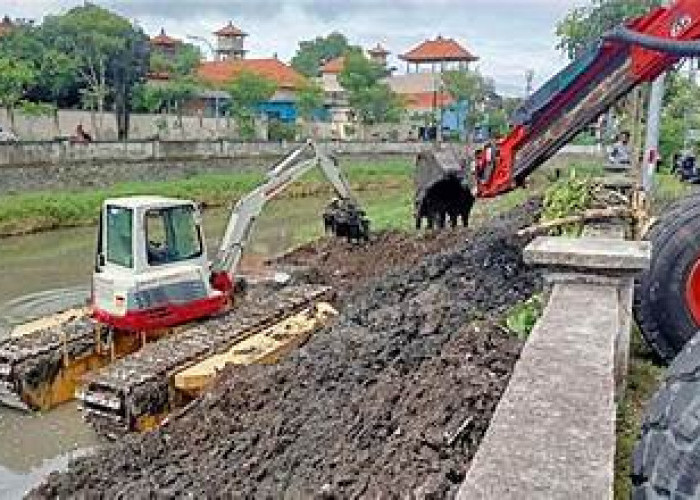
(120, 236)
(172, 235)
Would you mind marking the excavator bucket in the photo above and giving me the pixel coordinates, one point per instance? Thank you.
(345, 219)
(442, 192)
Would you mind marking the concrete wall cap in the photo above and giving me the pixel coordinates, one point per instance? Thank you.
(589, 253)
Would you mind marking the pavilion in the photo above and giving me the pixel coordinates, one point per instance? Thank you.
(441, 54)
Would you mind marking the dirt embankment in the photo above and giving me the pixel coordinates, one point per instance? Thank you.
(390, 401)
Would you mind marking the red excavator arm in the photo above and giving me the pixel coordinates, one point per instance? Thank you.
(628, 56)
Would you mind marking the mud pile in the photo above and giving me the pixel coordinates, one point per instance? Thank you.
(392, 400)
(344, 265)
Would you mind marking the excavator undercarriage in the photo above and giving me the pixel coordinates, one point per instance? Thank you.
(160, 307)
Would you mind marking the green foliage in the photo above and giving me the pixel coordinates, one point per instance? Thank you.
(15, 77)
(681, 113)
(497, 120)
(372, 101)
(185, 60)
(280, 131)
(37, 109)
(359, 72)
(309, 100)
(584, 25)
(521, 319)
(109, 55)
(147, 98)
(248, 91)
(472, 87)
(643, 379)
(467, 85)
(57, 73)
(566, 197)
(313, 53)
(376, 104)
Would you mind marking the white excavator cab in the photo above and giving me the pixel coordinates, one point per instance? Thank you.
(151, 267)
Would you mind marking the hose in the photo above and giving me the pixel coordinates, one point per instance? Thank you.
(676, 48)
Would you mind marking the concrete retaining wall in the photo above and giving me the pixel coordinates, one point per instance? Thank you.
(553, 433)
(38, 166)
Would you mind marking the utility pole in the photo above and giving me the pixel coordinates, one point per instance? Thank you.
(651, 149)
(529, 77)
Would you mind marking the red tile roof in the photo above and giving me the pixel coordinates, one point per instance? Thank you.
(334, 65)
(440, 49)
(378, 50)
(426, 100)
(165, 40)
(274, 69)
(158, 75)
(230, 30)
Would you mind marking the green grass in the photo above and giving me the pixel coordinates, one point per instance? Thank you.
(36, 211)
(643, 380)
(667, 189)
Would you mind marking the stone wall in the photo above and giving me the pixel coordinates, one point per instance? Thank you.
(147, 126)
(34, 166)
(44, 166)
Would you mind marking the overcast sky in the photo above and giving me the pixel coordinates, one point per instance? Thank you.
(510, 36)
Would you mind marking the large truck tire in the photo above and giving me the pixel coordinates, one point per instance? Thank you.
(667, 295)
(666, 461)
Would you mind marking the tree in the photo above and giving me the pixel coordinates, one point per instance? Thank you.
(376, 104)
(583, 26)
(111, 55)
(176, 92)
(15, 78)
(248, 91)
(472, 87)
(309, 100)
(56, 76)
(313, 53)
(372, 101)
(187, 58)
(359, 72)
(681, 113)
(56, 80)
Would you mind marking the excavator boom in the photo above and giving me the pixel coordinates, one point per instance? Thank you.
(628, 56)
(344, 216)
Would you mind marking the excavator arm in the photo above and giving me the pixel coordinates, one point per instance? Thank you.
(630, 55)
(343, 216)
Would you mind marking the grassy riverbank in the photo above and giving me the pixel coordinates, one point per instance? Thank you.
(38, 211)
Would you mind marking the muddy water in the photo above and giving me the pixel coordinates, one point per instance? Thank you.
(47, 272)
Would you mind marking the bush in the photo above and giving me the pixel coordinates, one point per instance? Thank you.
(280, 131)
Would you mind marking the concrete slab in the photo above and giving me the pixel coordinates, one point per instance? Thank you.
(614, 255)
(553, 433)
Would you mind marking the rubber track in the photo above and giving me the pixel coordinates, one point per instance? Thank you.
(29, 360)
(141, 381)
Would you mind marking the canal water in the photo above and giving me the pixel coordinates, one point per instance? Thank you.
(47, 272)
